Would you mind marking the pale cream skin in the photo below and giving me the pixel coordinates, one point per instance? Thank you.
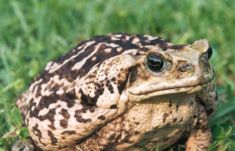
(120, 103)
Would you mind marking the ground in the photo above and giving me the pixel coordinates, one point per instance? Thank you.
(34, 32)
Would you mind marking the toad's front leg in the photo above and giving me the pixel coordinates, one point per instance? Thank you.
(200, 137)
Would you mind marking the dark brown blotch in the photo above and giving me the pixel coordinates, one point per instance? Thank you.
(50, 116)
(101, 117)
(64, 123)
(170, 103)
(65, 113)
(68, 132)
(137, 123)
(177, 107)
(122, 84)
(47, 100)
(165, 115)
(79, 117)
(36, 131)
(136, 132)
(85, 109)
(114, 106)
(52, 137)
(181, 120)
(110, 87)
(177, 47)
(174, 120)
(86, 100)
(69, 98)
(52, 127)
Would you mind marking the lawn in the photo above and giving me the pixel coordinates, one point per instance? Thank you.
(34, 32)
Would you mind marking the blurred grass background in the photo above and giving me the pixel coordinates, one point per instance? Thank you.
(35, 31)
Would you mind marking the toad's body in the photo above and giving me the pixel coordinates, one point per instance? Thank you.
(122, 92)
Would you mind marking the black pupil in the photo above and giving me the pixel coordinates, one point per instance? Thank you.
(209, 52)
(155, 62)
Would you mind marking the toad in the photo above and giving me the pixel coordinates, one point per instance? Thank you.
(123, 92)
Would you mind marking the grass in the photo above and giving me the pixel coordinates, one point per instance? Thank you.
(33, 32)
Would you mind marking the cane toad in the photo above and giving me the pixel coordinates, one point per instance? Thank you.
(123, 92)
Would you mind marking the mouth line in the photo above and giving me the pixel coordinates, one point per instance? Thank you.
(180, 89)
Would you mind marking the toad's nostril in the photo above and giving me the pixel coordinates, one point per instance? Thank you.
(184, 67)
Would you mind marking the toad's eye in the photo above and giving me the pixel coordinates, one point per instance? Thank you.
(155, 62)
(209, 52)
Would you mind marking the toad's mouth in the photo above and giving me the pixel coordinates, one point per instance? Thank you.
(147, 91)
